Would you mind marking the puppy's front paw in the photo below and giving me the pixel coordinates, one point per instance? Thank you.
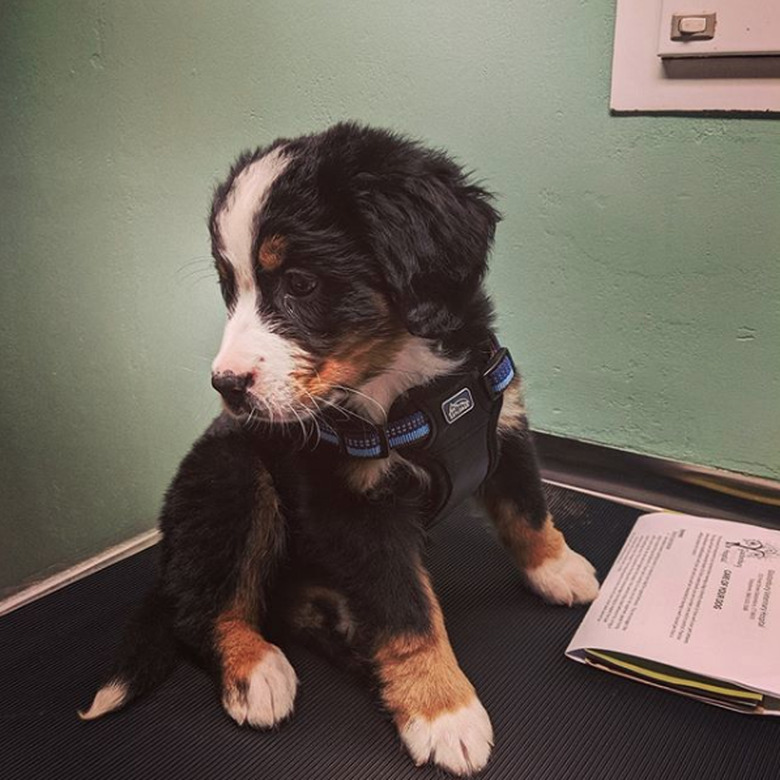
(458, 741)
(566, 579)
(266, 695)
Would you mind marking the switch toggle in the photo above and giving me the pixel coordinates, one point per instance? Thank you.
(693, 27)
(692, 24)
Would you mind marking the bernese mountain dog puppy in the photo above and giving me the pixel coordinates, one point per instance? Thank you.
(351, 263)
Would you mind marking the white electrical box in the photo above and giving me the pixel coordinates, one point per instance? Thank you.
(721, 28)
(696, 55)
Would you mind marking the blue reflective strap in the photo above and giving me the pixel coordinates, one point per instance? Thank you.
(328, 434)
(407, 430)
(362, 450)
(500, 377)
(411, 428)
(369, 446)
(377, 441)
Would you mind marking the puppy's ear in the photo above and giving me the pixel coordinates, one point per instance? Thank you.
(430, 230)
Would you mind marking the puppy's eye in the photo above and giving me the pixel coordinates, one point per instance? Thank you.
(300, 284)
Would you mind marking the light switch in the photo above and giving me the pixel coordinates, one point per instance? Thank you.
(734, 28)
(689, 27)
(692, 24)
(738, 69)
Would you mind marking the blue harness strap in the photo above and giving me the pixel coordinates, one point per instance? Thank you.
(364, 440)
(501, 375)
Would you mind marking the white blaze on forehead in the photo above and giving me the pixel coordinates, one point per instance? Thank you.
(249, 344)
(236, 219)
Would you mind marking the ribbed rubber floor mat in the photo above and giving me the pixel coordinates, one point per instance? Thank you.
(552, 718)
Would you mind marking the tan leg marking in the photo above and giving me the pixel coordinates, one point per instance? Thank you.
(240, 648)
(258, 683)
(238, 643)
(435, 707)
(264, 538)
(550, 567)
(530, 547)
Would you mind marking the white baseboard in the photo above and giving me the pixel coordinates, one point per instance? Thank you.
(79, 571)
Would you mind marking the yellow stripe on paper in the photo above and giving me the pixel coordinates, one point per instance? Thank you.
(671, 680)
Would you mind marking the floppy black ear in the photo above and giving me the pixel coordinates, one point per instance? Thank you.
(430, 230)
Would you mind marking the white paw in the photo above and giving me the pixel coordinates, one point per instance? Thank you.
(268, 697)
(459, 741)
(568, 579)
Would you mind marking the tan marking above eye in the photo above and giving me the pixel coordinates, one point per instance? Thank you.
(271, 253)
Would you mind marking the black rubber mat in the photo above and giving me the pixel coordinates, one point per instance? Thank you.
(553, 718)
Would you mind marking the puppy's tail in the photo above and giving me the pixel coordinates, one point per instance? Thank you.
(146, 657)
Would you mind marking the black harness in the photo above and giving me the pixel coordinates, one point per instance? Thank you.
(447, 426)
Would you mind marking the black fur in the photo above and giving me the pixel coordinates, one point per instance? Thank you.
(519, 468)
(373, 216)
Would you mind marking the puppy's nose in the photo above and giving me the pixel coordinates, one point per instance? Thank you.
(232, 387)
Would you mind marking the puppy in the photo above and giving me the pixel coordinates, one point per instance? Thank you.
(351, 264)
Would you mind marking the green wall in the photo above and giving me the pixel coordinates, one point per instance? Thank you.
(636, 271)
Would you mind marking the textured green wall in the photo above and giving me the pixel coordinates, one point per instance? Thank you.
(636, 271)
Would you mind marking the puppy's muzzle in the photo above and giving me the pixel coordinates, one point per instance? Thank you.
(233, 388)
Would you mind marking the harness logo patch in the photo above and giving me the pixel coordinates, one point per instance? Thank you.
(457, 405)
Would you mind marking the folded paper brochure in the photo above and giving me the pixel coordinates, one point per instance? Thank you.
(692, 605)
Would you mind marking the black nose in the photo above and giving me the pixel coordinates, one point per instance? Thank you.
(232, 387)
